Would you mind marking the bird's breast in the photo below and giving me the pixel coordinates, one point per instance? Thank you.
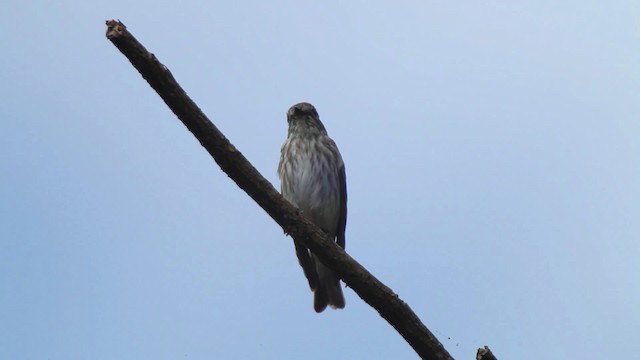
(310, 180)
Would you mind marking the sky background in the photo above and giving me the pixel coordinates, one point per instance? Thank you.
(493, 166)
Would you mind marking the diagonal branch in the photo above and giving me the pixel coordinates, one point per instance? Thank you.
(234, 164)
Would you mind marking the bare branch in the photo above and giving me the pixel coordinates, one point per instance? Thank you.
(232, 162)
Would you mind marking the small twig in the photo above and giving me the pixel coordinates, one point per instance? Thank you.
(232, 162)
(485, 354)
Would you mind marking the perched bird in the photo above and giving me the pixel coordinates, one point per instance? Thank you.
(313, 179)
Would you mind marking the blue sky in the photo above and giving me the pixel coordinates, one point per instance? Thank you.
(492, 157)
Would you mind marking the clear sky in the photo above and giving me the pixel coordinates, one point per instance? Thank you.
(493, 164)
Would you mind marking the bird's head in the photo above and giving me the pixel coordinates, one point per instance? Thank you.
(304, 117)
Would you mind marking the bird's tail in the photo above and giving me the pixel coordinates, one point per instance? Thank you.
(328, 291)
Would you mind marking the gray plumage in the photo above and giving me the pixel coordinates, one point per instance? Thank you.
(313, 179)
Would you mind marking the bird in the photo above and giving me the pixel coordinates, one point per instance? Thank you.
(313, 179)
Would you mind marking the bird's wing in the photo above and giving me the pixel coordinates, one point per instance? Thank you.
(342, 223)
(308, 265)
